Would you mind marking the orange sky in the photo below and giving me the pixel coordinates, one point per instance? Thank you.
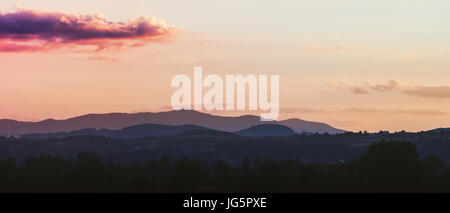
(355, 65)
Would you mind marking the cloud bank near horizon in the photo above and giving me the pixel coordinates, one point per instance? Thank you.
(349, 87)
(436, 92)
(27, 30)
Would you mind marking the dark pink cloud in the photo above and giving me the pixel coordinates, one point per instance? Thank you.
(12, 47)
(31, 30)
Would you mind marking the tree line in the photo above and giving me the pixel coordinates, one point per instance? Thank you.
(386, 166)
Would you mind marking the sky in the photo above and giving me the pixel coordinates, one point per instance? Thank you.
(356, 65)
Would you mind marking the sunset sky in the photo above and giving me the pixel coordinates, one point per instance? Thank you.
(356, 65)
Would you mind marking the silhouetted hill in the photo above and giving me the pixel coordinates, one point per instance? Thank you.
(301, 126)
(439, 130)
(116, 121)
(211, 146)
(137, 131)
(209, 132)
(267, 130)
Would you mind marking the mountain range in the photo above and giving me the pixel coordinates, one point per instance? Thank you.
(144, 130)
(137, 131)
(119, 121)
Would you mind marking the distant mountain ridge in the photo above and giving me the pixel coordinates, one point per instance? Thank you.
(117, 121)
(145, 130)
(137, 131)
(264, 130)
(438, 130)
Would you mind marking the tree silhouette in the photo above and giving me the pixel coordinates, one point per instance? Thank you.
(386, 166)
(392, 166)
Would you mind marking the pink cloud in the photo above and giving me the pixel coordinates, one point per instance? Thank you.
(28, 30)
(13, 47)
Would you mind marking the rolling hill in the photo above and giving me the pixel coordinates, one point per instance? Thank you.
(137, 131)
(117, 121)
(263, 130)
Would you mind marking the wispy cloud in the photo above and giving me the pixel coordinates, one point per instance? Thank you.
(297, 110)
(395, 85)
(27, 30)
(419, 111)
(349, 87)
(388, 86)
(395, 111)
(102, 58)
(429, 91)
